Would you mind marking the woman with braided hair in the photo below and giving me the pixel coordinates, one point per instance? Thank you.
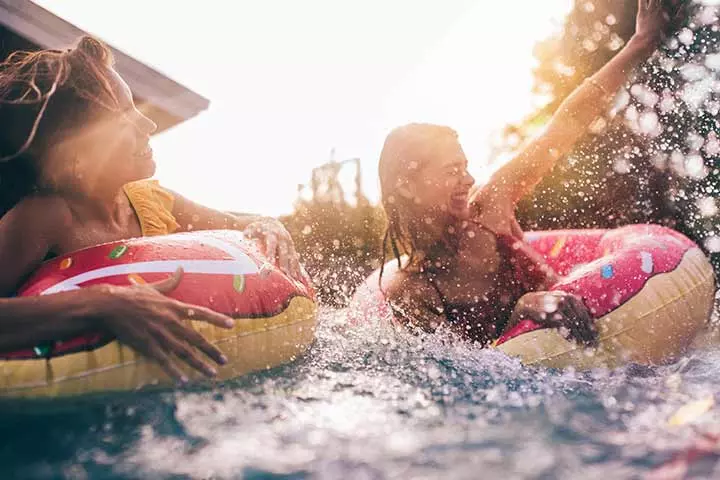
(74, 167)
(466, 267)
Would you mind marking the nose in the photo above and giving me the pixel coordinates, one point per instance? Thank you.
(144, 124)
(468, 179)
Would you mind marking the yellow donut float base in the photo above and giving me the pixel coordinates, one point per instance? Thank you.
(252, 345)
(656, 326)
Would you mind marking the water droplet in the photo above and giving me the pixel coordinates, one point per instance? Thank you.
(550, 303)
(712, 243)
(695, 167)
(686, 36)
(707, 206)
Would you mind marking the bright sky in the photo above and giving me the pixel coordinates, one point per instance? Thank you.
(289, 80)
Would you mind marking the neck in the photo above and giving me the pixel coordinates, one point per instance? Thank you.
(103, 204)
(435, 241)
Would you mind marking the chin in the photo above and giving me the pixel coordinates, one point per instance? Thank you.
(145, 169)
(460, 214)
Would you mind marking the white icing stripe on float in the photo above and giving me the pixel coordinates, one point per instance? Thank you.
(220, 244)
(224, 246)
(241, 266)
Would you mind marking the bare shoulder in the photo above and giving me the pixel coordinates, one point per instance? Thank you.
(414, 300)
(407, 285)
(38, 215)
(28, 232)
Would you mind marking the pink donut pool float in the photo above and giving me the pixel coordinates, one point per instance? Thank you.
(650, 291)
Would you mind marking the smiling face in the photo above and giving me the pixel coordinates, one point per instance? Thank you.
(109, 150)
(441, 184)
(424, 183)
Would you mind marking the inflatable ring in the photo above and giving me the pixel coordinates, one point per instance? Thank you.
(650, 291)
(275, 316)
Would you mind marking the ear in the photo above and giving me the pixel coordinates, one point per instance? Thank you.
(406, 188)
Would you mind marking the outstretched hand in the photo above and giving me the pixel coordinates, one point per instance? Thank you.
(655, 17)
(556, 309)
(143, 318)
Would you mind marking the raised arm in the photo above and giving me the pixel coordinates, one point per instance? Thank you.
(520, 175)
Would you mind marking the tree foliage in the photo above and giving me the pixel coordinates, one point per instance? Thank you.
(339, 241)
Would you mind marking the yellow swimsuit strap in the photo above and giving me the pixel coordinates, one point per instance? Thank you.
(153, 206)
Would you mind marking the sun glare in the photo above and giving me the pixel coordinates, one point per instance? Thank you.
(287, 88)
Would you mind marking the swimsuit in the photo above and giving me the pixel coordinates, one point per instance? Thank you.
(521, 270)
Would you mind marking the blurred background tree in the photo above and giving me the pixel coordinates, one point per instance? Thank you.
(337, 233)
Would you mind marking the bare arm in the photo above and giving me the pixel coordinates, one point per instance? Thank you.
(138, 316)
(519, 176)
(193, 216)
(276, 240)
(27, 321)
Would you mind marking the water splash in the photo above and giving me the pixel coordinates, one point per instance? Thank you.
(373, 402)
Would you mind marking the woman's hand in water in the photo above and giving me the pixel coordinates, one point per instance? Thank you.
(143, 318)
(655, 18)
(278, 245)
(556, 309)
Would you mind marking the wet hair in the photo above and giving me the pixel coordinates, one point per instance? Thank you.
(45, 96)
(406, 151)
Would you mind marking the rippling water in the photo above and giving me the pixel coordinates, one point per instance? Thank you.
(378, 404)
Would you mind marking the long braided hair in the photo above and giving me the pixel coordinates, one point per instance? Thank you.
(406, 150)
(45, 96)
